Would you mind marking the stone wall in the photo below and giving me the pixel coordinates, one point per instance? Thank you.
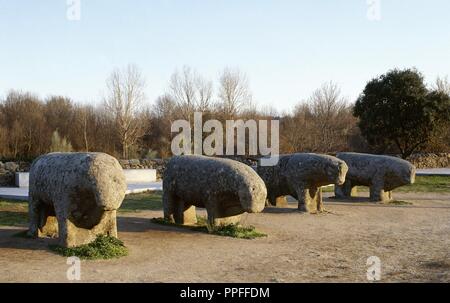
(8, 169)
(430, 160)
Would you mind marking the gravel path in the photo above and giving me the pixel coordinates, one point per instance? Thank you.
(413, 243)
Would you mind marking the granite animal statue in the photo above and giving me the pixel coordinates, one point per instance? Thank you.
(381, 173)
(75, 196)
(301, 176)
(226, 188)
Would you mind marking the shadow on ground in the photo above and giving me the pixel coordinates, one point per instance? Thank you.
(13, 238)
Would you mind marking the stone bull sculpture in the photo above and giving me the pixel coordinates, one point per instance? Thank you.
(381, 173)
(75, 195)
(226, 188)
(301, 176)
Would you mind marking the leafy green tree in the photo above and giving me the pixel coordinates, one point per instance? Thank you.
(397, 109)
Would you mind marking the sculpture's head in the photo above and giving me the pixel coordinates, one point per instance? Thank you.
(337, 171)
(110, 183)
(326, 170)
(400, 173)
(252, 193)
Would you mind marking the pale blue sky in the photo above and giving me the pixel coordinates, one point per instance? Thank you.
(287, 47)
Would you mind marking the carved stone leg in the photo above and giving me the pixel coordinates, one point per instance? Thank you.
(48, 227)
(273, 200)
(319, 200)
(211, 214)
(43, 221)
(33, 214)
(188, 215)
(377, 194)
(309, 199)
(389, 195)
(108, 224)
(176, 211)
(169, 205)
(184, 215)
(227, 220)
(63, 233)
(354, 191)
(302, 197)
(281, 201)
(345, 191)
(73, 235)
(218, 216)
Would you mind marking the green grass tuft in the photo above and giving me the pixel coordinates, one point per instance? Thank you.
(238, 231)
(13, 213)
(142, 201)
(398, 202)
(231, 230)
(436, 184)
(431, 184)
(104, 247)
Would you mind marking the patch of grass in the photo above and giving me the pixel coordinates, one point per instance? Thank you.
(13, 213)
(201, 220)
(431, 184)
(231, 230)
(238, 231)
(328, 189)
(437, 184)
(142, 201)
(104, 247)
(13, 205)
(398, 202)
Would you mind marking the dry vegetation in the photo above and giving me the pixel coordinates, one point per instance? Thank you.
(126, 124)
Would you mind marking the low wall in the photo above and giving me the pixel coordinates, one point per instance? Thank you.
(430, 160)
(8, 169)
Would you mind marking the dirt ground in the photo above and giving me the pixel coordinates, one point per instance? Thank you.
(412, 241)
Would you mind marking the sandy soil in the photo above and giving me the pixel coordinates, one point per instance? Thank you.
(413, 243)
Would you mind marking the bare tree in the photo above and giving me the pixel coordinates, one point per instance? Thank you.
(322, 124)
(204, 90)
(328, 108)
(190, 91)
(59, 114)
(124, 101)
(25, 122)
(84, 124)
(442, 85)
(165, 108)
(234, 92)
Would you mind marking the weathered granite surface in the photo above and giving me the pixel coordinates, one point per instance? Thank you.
(381, 173)
(75, 196)
(301, 176)
(226, 188)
